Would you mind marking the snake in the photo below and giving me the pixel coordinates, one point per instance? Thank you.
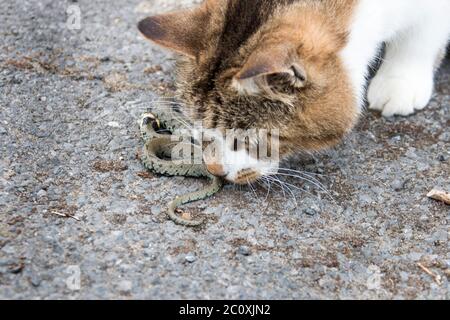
(159, 130)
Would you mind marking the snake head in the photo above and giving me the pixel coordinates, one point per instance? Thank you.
(151, 119)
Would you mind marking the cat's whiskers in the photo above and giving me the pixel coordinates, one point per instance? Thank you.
(298, 188)
(252, 189)
(303, 176)
(265, 180)
(278, 181)
(303, 172)
(316, 184)
(145, 106)
(286, 185)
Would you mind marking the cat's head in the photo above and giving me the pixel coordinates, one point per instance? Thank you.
(261, 64)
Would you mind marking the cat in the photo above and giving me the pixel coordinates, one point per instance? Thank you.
(300, 66)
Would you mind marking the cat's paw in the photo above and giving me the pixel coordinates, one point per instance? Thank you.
(400, 95)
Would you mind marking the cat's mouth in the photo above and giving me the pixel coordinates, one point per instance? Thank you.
(241, 177)
(240, 160)
(238, 173)
(246, 176)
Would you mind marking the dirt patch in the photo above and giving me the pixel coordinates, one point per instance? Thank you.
(145, 175)
(104, 166)
(118, 219)
(188, 246)
(153, 69)
(63, 210)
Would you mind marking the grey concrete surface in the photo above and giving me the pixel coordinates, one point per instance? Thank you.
(69, 100)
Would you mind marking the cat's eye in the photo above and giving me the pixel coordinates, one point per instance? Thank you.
(299, 73)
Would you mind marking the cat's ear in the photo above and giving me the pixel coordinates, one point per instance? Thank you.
(181, 31)
(264, 63)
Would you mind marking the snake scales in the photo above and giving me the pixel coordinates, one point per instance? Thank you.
(158, 156)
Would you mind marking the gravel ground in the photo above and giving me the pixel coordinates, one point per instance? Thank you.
(75, 200)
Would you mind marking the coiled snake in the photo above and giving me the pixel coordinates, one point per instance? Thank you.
(158, 156)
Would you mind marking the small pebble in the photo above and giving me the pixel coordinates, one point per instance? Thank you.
(310, 212)
(16, 268)
(364, 198)
(398, 185)
(404, 276)
(113, 124)
(372, 136)
(415, 256)
(445, 137)
(125, 286)
(244, 251)
(42, 193)
(43, 99)
(395, 139)
(191, 258)
(17, 80)
(35, 280)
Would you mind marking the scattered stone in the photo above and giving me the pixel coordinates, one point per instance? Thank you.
(35, 280)
(445, 137)
(118, 235)
(398, 185)
(395, 139)
(364, 198)
(191, 258)
(114, 124)
(372, 136)
(244, 251)
(42, 194)
(310, 212)
(125, 286)
(404, 276)
(16, 267)
(440, 236)
(144, 7)
(415, 256)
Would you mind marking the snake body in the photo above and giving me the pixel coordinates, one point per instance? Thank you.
(157, 156)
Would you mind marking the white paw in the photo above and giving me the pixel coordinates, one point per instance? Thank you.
(400, 95)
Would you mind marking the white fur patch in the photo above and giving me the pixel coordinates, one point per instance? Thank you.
(234, 162)
(401, 95)
(415, 32)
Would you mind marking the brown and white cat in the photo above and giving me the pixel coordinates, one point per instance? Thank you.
(300, 66)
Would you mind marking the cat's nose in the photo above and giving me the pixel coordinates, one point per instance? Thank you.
(216, 169)
(246, 176)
